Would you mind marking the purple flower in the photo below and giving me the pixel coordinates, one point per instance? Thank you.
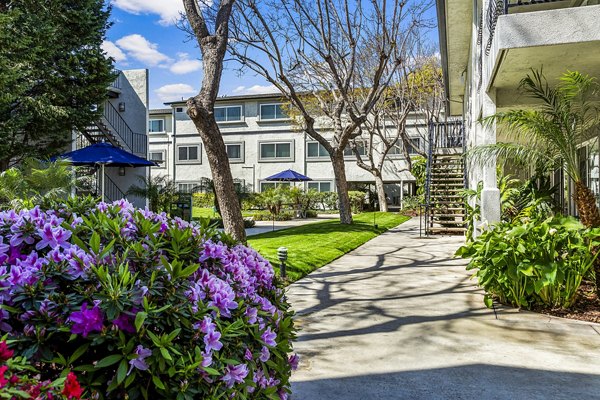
(251, 313)
(294, 360)
(86, 321)
(211, 340)
(248, 355)
(264, 354)
(138, 362)
(268, 337)
(125, 323)
(53, 237)
(206, 359)
(234, 374)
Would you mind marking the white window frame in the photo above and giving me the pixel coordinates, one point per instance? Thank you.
(400, 145)
(260, 117)
(276, 183)
(276, 159)
(179, 109)
(162, 165)
(351, 155)
(164, 125)
(194, 184)
(227, 121)
(331, 187)
(242, 152)
(198, 161)
(325, 157)
(412, 146)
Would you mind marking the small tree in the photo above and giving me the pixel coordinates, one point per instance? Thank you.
(310, 52)
(159, 191)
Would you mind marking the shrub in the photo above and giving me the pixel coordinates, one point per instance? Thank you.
(357, 200)
(533, 263)
(411, 205)
(327, 200)
(267, 216)
(203, 200)
(20, 380)
(142, 306)
(312, 214)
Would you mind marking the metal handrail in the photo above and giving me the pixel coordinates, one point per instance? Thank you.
(136, 142)
(112, 192)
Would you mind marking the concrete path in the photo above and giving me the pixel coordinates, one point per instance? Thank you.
(269, 226)
(399, 318)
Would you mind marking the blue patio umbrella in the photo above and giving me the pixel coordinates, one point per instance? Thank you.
(104, 155)
(288, 176)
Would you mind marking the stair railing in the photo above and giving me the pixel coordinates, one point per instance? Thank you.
(135, 142)
(112, 192)
(428, 172)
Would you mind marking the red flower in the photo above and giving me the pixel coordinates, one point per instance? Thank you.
(72, 389)
(3, 380)
(5, 352)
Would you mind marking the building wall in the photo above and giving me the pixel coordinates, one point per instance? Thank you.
(251, 131)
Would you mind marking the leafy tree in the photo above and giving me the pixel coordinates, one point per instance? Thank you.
(547, 136)
(35, 181)
(53, 73)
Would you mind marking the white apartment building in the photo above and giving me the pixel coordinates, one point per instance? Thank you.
(124, 124)
(488, 46)
(261, 141)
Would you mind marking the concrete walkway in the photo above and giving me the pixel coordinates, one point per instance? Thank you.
(269, 226)
(399, 318)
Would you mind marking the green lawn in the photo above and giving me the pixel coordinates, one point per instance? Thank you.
(314, 245)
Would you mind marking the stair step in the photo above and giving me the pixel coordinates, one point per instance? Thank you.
(440, 229)
(447, 215)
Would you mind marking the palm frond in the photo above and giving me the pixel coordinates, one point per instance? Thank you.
(520, 154)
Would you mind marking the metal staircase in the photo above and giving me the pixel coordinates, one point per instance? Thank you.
(444, 204)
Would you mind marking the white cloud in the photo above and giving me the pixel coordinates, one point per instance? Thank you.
(168, 10)
(174, 92)
(141, 49)
(184, 65)
(256, 89)
(113, 51)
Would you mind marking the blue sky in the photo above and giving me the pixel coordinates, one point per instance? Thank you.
(144, 35)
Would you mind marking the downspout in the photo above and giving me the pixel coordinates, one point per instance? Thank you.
(173, 134)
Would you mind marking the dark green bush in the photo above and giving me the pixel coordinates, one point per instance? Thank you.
(312, 214)
(532, 263)
(218, 222)
(267, 216)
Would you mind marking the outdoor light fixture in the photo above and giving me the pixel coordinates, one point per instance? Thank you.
(121, 171)
(282, 254)
(121, 106)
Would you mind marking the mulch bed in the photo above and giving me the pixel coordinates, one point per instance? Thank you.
(587, 307)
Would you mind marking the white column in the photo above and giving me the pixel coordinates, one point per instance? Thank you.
(490, 195)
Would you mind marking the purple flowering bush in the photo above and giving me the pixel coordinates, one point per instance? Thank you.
(142, 306)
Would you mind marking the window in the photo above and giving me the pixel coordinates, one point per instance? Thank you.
(276, 151)
(272, 112)
(156, 125)
(158, 157)
(320, 186)
(235, 152)
(360, 146)
(315, 150)
(179, 109)
(415, 144)
(188, 154)
(396, 149)
(188, 187)
(272, 185)
(228, 114)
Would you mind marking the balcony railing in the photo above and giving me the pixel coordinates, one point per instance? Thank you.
(116, 84)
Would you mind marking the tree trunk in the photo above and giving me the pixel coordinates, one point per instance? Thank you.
(339, 171)
(224, 188)
(380, 191)
(586, 205)
(590, 217)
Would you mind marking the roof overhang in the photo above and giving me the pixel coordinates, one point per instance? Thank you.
(455, 26)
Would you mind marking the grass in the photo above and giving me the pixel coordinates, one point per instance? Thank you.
(314, 245)
(207, 212)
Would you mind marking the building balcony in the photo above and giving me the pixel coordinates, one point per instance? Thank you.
(555, 36)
